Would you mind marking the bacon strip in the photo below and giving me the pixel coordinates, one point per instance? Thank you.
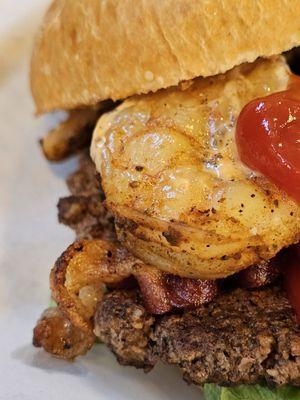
(153, 289)
(186, 293)
(259, 275)
(163, 292)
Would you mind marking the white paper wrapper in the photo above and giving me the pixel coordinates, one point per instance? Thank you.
(31, 239)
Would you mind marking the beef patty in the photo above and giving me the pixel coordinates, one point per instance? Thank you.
(240, 337)
(84, 210)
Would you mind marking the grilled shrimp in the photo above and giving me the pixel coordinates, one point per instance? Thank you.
(181, 198)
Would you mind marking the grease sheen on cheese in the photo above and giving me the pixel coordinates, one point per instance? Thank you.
(182, 199)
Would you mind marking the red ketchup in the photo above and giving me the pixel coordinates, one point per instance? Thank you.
(268, 137)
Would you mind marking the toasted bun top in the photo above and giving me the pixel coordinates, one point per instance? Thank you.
(92, 50)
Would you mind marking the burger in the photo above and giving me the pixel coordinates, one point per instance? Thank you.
(186, 201)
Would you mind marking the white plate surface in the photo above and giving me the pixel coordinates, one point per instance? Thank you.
(31, 239)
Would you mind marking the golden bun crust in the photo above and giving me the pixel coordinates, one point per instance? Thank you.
(92, 50)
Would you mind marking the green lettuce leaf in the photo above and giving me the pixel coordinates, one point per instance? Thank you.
(212, 392)
(250, 392)
(52, 303)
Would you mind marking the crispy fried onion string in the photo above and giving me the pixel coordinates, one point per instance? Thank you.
(79, 275)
